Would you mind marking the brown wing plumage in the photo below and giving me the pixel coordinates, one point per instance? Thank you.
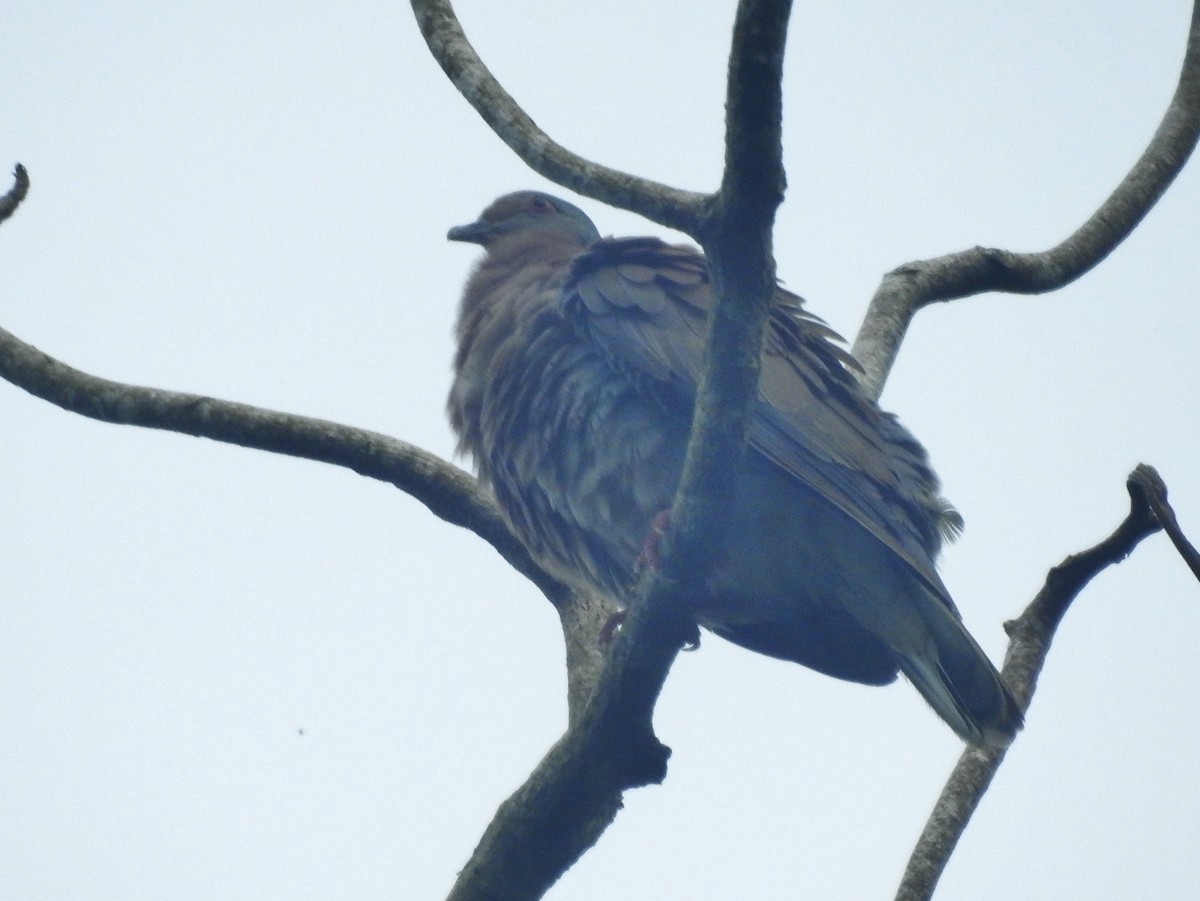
(644, 304)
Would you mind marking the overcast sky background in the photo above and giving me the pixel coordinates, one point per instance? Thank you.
(250, 201)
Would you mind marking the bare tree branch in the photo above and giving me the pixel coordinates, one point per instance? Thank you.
(737, 239)
(910, 287)
(450, 493)
(575, 792)
(449, 45)
(1030, 638)
(10, 201)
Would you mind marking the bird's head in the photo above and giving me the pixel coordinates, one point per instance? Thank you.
(528, 212)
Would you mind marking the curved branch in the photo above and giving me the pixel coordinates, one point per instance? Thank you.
(1029, 644)
(446, 490)
(449, 45)
(910, 287)
(10, 201)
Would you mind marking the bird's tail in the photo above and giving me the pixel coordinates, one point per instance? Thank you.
(960, 683)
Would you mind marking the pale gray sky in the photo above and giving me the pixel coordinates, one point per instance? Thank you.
(250, 200)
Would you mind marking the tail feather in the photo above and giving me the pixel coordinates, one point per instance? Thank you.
(987, 721)
(960, 683)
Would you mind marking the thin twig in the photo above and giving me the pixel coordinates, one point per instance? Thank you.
(908, 288)
(1030, 636)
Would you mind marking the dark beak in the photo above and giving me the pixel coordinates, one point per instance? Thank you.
(475, 233)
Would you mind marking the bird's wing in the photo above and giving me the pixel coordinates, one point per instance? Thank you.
(644, 304)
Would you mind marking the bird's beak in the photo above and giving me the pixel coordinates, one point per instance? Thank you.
(475, 233)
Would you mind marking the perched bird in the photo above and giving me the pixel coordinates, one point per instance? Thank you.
(577, 365)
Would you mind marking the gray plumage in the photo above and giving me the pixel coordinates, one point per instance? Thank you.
(577, 365)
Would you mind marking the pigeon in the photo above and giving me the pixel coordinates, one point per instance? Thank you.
(577, 364)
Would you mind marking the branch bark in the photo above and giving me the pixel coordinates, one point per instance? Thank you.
(448, 44)
(448, 492)
(910, 287)
(738, 241)
(1030, 637)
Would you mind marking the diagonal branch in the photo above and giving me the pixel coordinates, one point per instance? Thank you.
(1029, 644)
(446, 490)
(910, 287)
(449, 45)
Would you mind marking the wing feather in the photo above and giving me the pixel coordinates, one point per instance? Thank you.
(644, 305)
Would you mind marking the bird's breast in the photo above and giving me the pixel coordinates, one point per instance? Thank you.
(580, 456)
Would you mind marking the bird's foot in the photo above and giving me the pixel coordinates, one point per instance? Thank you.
(610, 629)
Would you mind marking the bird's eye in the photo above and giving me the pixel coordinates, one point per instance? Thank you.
(542, 205)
